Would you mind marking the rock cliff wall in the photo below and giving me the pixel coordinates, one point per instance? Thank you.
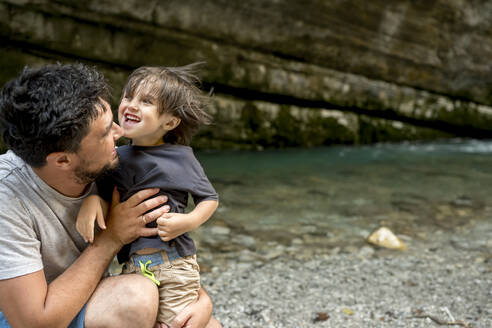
(284, 72)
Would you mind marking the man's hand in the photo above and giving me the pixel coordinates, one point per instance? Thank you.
(126, 221)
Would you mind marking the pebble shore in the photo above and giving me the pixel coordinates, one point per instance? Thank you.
(446, 279)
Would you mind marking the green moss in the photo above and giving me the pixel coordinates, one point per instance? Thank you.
(464, 115)
(253, 125)
(373, 130)
(327, 131)
(251, 117)
(287, 130)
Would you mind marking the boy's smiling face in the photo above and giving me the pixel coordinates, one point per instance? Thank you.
(140, 119)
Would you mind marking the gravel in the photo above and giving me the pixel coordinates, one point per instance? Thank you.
(448, 278)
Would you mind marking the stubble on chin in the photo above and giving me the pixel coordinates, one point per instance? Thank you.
(84, 176)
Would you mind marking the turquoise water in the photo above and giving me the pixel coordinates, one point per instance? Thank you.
(343, 193)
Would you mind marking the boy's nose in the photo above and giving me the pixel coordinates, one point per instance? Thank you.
(133, 104)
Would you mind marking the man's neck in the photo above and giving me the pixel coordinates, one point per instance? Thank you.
(61, 181)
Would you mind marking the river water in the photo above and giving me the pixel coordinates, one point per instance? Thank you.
(309, 201)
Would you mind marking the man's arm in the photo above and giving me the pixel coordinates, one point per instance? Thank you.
(28, 301)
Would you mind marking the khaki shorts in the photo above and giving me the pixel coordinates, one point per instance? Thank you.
(179, 278)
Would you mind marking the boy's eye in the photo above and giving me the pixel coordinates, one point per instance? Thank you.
(147, 101)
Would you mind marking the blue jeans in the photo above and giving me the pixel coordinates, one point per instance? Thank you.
(77, 322)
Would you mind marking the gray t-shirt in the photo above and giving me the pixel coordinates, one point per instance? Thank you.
(37, 223)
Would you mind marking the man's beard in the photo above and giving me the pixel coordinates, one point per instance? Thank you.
(85, 177)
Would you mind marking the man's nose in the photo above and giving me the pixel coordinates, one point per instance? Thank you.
(118, 131)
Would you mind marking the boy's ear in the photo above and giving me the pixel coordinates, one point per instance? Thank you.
(60, 160)
(172, 123)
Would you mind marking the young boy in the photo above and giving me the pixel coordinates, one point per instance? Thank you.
(160, 110)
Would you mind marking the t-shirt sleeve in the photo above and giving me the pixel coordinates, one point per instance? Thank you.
(20, 248)
(202, 188)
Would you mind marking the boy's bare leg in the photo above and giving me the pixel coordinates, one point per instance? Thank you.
(213, 323)
(122, 301)
(195, 315)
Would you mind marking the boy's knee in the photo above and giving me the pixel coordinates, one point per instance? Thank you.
(123, 301)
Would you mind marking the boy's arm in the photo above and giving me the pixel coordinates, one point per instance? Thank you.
(28, 301)
(93, 208)
(172, 225)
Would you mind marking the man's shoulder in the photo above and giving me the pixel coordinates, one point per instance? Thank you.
(9, 162)
(11, 184)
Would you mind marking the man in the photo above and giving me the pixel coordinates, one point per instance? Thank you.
(59, 128)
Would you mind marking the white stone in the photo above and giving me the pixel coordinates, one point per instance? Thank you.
(384, 237)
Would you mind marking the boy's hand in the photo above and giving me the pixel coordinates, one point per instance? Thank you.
(172, 225)
(90, 211)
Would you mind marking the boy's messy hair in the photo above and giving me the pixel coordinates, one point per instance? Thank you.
(177, 92)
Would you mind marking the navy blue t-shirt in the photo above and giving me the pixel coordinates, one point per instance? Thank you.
(171, 168)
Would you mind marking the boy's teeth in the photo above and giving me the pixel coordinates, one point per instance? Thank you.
(132, 118)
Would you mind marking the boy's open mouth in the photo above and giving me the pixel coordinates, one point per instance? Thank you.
(132, 118)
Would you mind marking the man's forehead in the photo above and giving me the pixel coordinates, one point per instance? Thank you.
(103, 105)
(104, 120)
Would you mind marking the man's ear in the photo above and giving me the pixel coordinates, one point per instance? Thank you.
(172, 123)
(61, 160)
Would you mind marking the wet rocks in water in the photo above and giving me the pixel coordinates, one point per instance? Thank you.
(246, 241)
(273, 252)
(216, 236)
(246, 256)
(409, 202)
(462, 201)
(297, 241)
(219, 230)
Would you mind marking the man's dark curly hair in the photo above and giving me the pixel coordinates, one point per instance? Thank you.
(50, 109)
(177, 92)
